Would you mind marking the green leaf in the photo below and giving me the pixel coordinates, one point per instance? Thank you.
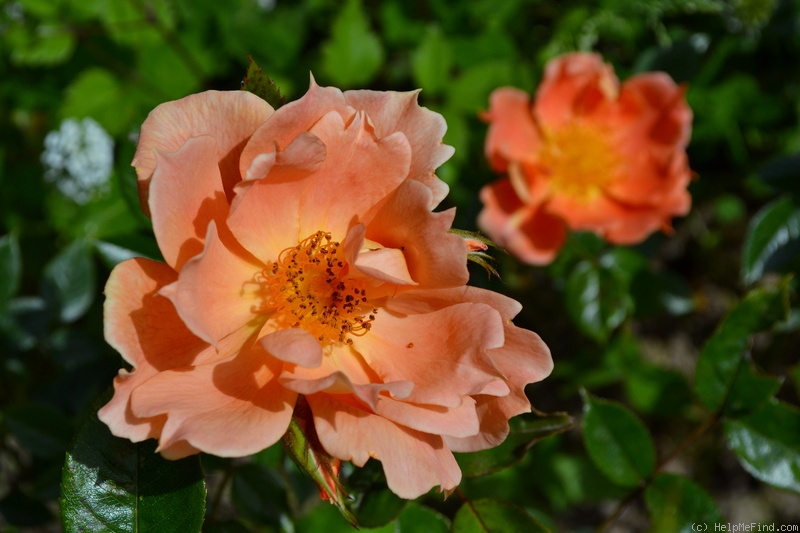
(111, 484)
(722, 358)
(138, 23)
(166, 66)
(676, 503)
(661, 292)
(655, 390)
(526, 430)
(469, 93)
(767, 446)
(378, 507)
(729, 208)
(112, 254)
(484, 516)
(325, 517)
(72, 275)
(10, 268)
(49, 44)
(431, 62)
(97, 93)
(750, 390)
(597, 299)
(773, 238)
(617, 441)
(416, 518)
(40, 8)
(353, 54)
(259, 83)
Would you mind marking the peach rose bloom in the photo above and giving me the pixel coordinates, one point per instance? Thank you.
(588, 154)
(303, 258)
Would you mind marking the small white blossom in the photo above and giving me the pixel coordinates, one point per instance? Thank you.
(266, 5)
(78, 159)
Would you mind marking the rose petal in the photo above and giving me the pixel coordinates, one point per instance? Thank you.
(293, 119)
(185, 195)
(340, 384)
(399, 111)
(461, 421)
(576, 84)
(531, 234)
(230, 117)
(293, 346)
(142, 325)
(217, 293)
(442, 352)
(414, 462)
(435, 257)
(230, 408)
(385, 264)
(359, 171)
(512, 133)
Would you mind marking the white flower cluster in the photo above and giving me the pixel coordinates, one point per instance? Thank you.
(78, 159)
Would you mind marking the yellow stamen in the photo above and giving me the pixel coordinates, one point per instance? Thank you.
(579, 160)
(308, 288)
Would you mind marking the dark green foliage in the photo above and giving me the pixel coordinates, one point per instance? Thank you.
(617, 441)
(112, 484)
(259, 83)
(766, 445)
(675, 503)
(488, 516)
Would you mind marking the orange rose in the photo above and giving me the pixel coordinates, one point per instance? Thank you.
(589, 155)
(303, 258)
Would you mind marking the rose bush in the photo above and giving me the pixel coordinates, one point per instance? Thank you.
(302, 257)
(588, 154)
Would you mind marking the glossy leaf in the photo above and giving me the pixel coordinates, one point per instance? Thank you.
(766, 444)
(353, 54)
(378, 507)
(489, 516)
(597, 299)
(71, 274)
(661, 292)
(617, 441)
(10, 268)
(526, 430)
(111, 484)
(773, 238)
(676, 503)
(723, 355)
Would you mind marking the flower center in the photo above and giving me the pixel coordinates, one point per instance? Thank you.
(307, 287)
(580, 161)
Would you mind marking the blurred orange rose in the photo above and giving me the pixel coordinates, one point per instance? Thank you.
(588, 154)
(303, 258)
